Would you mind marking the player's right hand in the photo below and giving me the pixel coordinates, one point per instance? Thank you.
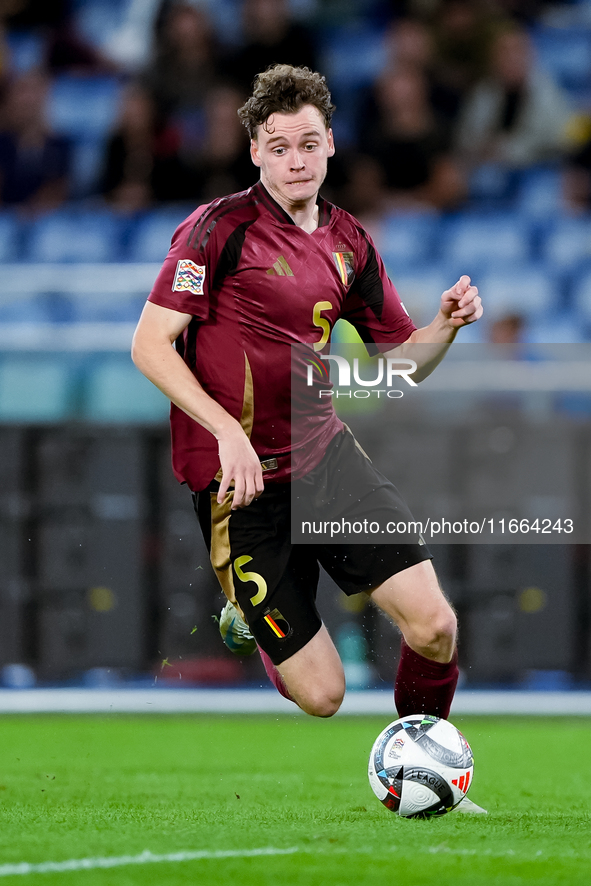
(240, 464)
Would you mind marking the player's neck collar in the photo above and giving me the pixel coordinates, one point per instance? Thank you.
(264, 198)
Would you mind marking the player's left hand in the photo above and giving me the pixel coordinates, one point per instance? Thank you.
(461, 304)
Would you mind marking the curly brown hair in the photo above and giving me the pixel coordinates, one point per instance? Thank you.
(285, 89)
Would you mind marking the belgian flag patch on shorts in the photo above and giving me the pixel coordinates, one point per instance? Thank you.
(277, 623)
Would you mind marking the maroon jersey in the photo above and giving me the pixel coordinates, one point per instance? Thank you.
(256, 284)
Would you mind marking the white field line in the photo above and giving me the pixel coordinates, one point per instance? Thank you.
(88, 864)
(147, 857)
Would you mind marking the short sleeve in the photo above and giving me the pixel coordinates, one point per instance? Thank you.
(373, 305)
(183, 283)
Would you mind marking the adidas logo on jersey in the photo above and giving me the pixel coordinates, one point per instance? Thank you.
(281, 268)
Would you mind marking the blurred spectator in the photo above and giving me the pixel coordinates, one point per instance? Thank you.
(409, 143)
(271, 37)
(516, 115)
(577, 172)
(463, 31)
(142, 164)
(35, 13)
(34, 163)
(129, 44)
(4, 59)
(507, 330)
(185, 57)
(222, 165)
(145, 162)
(356, 183)
(66, 50)
(410, 43)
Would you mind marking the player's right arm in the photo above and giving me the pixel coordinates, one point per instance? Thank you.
(154, 355)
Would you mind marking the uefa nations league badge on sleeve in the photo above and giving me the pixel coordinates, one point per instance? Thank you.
(189, 277)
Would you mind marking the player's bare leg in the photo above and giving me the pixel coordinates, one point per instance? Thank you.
(427, 671)
(415, 601)
(314, 676)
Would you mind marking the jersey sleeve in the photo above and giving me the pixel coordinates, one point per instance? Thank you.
(373, 305)
(184, 281)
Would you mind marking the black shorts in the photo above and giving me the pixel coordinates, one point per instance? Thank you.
(273, 580)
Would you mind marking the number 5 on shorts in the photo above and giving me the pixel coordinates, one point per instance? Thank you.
(260, 582)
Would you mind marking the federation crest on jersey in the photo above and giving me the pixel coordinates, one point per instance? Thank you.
(189, 277)
(344, 263)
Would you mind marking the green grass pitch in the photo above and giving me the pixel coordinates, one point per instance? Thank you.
(75, 787)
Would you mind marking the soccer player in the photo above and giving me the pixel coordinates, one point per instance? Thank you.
(247, 276)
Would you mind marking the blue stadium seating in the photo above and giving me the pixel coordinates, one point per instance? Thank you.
(491, 186)
(117, 391)
(71, 236)
(30, 307)
(539, 192)
(150, 239)
(86, 166)
(105, 307)
(565, 53)
(420, 289)
(352, 55)
(27, 49)
(34, 389)
(97, 19)
(581, 300)
(567, 243)
(566, 329)
(408, 240)
(472, 243)
(525, 289)
(9, 236)
(83, 107)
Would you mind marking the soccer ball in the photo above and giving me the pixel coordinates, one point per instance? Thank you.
(420, 766)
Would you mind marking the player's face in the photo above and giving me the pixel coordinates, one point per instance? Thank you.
(292, 151)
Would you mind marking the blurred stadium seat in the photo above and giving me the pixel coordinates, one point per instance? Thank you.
(408, 240)
(474, 242)
(83, 107)
(581, 299)
(420, 290)
(86, 166)
(539, 192)
(567, 243)
(85, 110)
(74, 306)
(34, 389)
(98, 19)
(150, 239)
(9, 237)
(352, 55)
(565, 329)
(27, 49)
(106, 307)
(491, 186)
(72, 236)
(30, 307)
(524, 289)
(565, 53)
(117, 391)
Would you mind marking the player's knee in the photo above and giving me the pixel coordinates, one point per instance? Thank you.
(324, 701)
(436, 636)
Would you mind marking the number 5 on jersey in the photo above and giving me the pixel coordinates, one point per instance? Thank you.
(321, 322)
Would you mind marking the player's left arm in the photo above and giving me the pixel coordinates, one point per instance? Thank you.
(459, 306)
